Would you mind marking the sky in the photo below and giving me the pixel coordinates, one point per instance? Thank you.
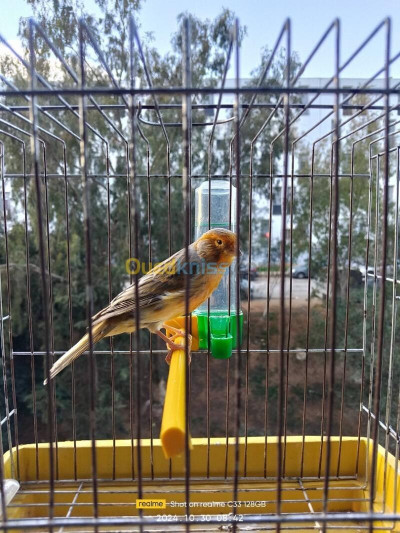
(263, 19)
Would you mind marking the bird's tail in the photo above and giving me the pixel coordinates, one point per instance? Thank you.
(99, 331)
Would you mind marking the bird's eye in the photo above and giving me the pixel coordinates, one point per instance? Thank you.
(219, 242)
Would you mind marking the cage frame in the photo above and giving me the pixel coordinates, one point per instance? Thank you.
(130, 96)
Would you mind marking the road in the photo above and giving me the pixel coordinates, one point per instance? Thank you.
(299, 288)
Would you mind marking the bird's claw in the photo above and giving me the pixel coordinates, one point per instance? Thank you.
(170, 341)
(173, 346)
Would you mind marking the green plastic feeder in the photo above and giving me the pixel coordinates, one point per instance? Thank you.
(218, 329)
(222, 329)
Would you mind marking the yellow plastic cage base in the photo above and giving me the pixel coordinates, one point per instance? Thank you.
(302, 491)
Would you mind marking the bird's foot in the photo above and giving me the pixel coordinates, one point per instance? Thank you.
(173, 345)
(177, 332)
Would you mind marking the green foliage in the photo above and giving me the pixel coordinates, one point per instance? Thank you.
(159, 199)
(357, 198)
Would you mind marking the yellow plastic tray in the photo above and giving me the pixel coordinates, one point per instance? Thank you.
(163, 479)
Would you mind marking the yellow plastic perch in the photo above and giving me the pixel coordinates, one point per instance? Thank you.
(173, 425)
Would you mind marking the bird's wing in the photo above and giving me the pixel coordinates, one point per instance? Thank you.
(163, 281)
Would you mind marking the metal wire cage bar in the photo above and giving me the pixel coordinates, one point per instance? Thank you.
(300, 430)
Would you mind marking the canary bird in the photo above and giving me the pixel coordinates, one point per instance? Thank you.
(161, 294)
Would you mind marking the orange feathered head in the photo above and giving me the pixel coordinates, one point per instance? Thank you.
(217, 245)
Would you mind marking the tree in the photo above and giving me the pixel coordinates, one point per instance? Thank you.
(159, 196)
(353, 201)
(360, 195)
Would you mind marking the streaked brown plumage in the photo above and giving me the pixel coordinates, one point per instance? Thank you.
(162, 293)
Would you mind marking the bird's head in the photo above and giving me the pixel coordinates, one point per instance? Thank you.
(217, 245)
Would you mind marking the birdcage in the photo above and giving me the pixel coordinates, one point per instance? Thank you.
(299, 429)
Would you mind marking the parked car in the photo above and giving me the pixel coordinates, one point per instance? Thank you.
(300, 271)
(363, 272)
(244, 271)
